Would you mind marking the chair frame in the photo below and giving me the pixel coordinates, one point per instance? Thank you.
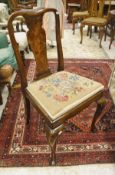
(37, 41)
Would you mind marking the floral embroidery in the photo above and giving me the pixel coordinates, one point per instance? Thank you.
(69, 85)
(61, 90)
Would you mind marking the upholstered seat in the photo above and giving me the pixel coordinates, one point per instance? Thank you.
(72, 90)
(7, 55)
(76, 14)
(95, 20)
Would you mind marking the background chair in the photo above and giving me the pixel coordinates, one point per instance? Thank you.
(97, 20)
(81, 14)
(110, 28)
(7, 63)
(18, 5)
(56, 96)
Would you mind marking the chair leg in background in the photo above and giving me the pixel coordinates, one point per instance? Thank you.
(105, 33)
(73, 23)
(112, 37)
(101, 31)
(90, 31)
(81, 32)
(17, 27)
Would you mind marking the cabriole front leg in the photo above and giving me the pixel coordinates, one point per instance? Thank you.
(97, 116)
(52, 136)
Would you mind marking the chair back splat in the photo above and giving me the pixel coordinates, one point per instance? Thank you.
(57, 95)
(93, 7)
(37, 39)
(83, 5)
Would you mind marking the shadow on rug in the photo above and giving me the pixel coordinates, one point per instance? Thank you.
(22, 146)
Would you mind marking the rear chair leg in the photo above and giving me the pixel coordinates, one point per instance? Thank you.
(90, 31)
(27, 110)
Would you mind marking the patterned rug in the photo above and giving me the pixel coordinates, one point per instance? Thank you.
(23, 146)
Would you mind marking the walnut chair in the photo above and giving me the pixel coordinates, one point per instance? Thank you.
(57, 96)
(82, 14)
(97, 20)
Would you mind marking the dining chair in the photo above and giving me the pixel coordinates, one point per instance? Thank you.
(57, 95)
(81, 14)
(18, 5)
(97, 19)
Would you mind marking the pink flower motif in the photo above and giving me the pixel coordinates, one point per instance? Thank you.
(61, 98)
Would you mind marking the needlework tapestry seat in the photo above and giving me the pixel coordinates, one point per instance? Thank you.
(72, 90)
